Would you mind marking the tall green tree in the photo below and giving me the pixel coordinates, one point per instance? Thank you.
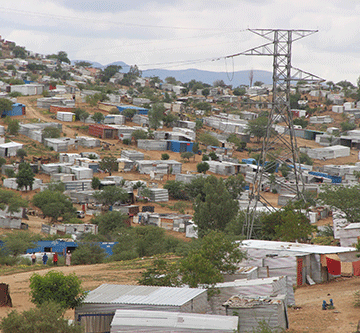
(64, 290)
(18, 242)
(109, 71)
(344, 198)
(11, 201)
(5, 105)
(110, 221)
(98, 117)
(25, 176)
(109, 195)
(257, 127)
(287, 224)
(218, 208)
(54, 204)
(108, 164)
(156, 115)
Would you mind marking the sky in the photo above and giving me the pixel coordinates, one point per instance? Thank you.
(181, 34)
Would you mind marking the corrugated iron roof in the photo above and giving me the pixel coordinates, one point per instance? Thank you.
(295, 247)
(150, 295)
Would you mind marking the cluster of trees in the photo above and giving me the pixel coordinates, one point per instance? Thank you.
(157, 115)
(52, 293)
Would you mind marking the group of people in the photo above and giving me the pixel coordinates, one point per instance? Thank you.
(55, 258)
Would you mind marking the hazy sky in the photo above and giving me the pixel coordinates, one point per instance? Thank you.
(178, 34)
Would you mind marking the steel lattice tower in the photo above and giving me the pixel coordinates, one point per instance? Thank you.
(279, 47)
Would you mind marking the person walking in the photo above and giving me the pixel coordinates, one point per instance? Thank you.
(45, 258)
(33, 258)
(68, 258)
(55, 259)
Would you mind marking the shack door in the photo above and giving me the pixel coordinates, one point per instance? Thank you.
(299, 272)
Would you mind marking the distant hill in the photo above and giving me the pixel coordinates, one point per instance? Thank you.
(186, 75)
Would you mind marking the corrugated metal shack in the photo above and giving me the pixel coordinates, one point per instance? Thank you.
(138, 109)
(18, 109)
(295, 260)
(159, 166)
(251, 288)
(251, 311)
(9, 149)
(179, 146)
(117, 119)
(224, 168)
(168, 322)
(141, 120)
(152, 144)
(72, 229)
(65, 116)
(132, 155)
(99, 306)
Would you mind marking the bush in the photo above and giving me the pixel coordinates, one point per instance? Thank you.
(49, 317)
(213, 156)
(202, 167)
(176, 190)
(205, 158)
(88, 254)
(187, 155)
(126, 142)
(165, 156)
(55, 286)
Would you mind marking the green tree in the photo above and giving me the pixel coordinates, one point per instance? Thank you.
(64, 290)
(13, 126)
(347, 126)
(258, 84)
(109, 195)
(63, 57)
(156, 115)
(257, 127)
(196, 188)
(208, 140)
(5, 105)
(19, 52)
(25, 176)
(344, 198)
(161, 273)
(205, 92)
(239, 91)
(139, 135)
(205, 106)
(108, 164)
(301, 121)
(187, 155)
(84, 115)
(218, 208)
(54, 204)
(169, 119)
(51, 132)
(48, 317)
(110, 221)
(18, 242)
(109, 72)
(129, 113)
(170, 80)
(202, 167)
(88, 254)
(176, 190)
(235, 185)
(21, 153)
(95, 183)
(12, 201)
(287, 224)
(98, 117)
(78, 112)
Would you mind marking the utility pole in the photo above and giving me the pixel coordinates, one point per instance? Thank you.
(279, 47)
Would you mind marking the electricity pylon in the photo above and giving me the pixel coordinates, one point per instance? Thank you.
(279, 47)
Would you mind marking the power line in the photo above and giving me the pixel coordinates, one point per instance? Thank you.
(82, 18)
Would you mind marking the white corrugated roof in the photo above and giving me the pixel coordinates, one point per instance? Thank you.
(294, 247)
(177, 320)
(150, 295)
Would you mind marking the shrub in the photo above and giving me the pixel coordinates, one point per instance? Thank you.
(213, 156)
(202, 167)
(87, 254)
(165, 156)
(205, 158)
(49, 317)
(126, 142)
(55, 286)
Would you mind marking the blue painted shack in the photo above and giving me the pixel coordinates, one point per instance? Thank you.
(138, 109)
(18, 109)
(334, 179)
(61, 246)
(179, 146)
